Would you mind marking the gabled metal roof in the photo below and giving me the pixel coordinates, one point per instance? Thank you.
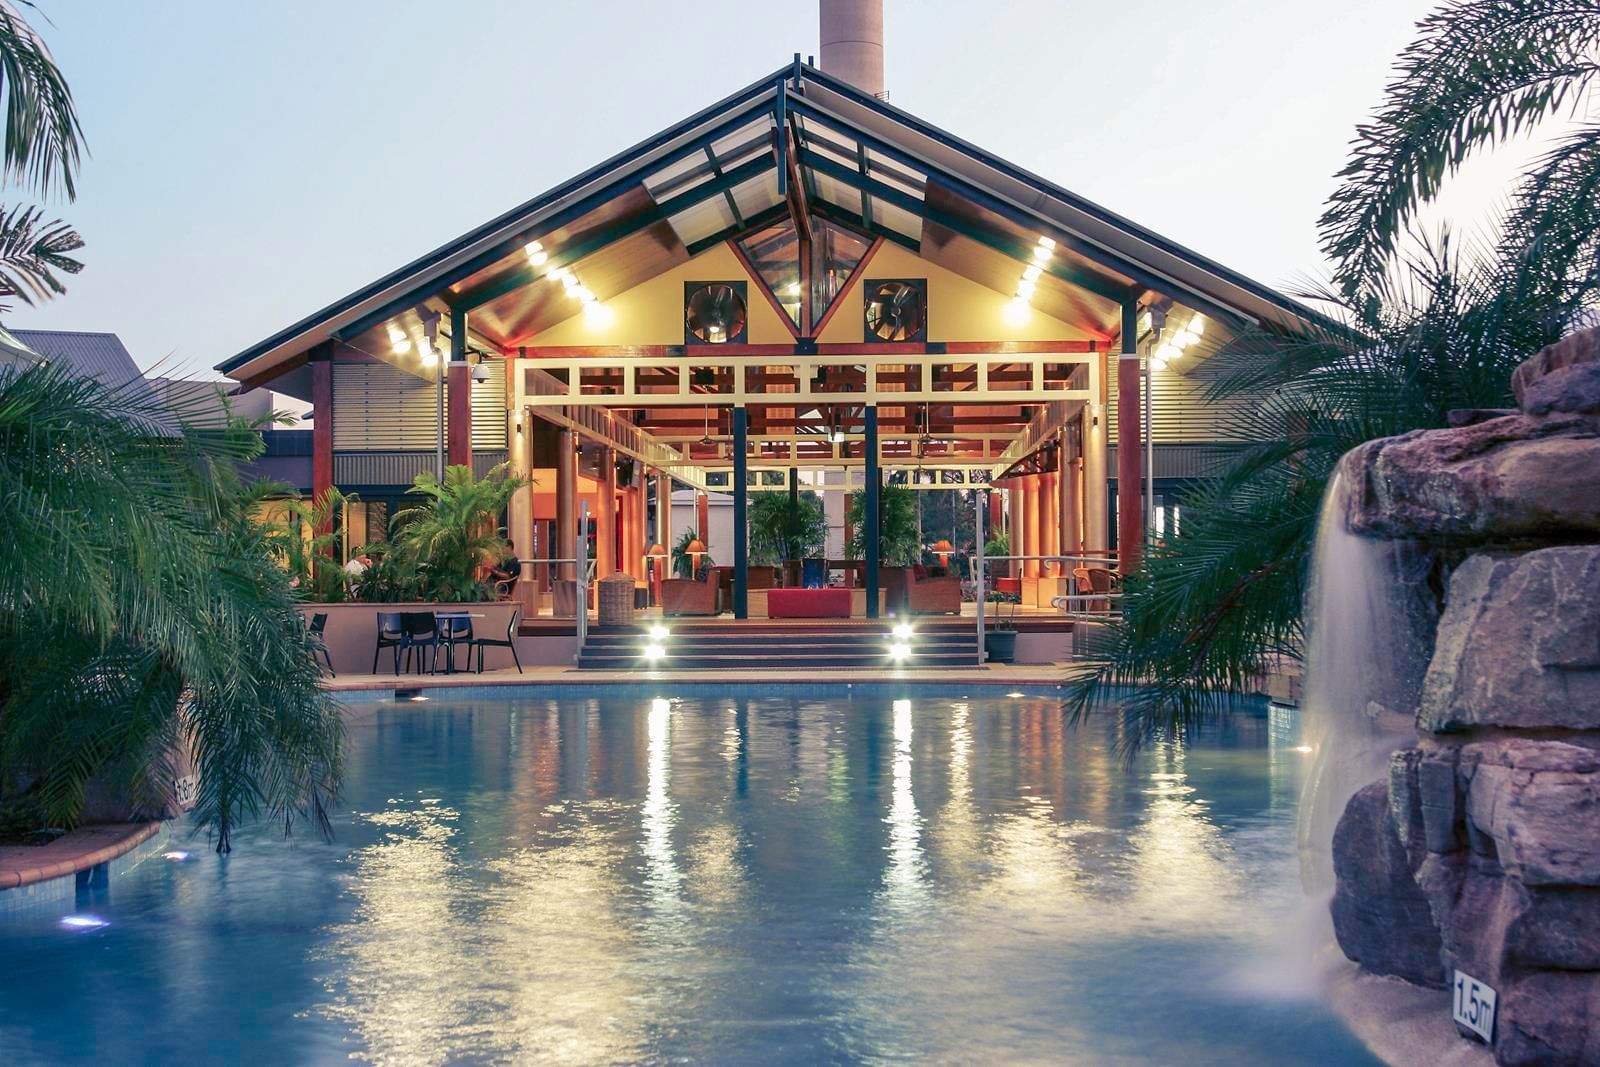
(798, 139)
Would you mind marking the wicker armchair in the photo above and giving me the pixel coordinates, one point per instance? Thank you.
(687, 596)
(934, 596)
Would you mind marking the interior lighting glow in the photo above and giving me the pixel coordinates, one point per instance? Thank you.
(1167, 352)
(1045, 242)
(1016, 312)
(1197, 325)
(1032, 273)
(536, 254)
(1025, 289)
(559, 274)
(585, 294)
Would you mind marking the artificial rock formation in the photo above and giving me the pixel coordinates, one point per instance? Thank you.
(1494, 814)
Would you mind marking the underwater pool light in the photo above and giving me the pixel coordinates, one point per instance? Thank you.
(83, 922)
(1014, 696)
(176, 855)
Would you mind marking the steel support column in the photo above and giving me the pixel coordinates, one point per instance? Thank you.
(870, 516)
(741, 500)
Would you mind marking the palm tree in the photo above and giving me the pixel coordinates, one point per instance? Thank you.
(1479, 74)
(1218, 603)
(781, 531)
(1421, 328)
(898, 542)
(42, 148)
(141, 614)
(451, 537)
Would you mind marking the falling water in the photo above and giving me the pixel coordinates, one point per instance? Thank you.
(1369, 625)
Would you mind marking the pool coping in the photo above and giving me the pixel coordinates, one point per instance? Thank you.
(567, 678)
(78, 850)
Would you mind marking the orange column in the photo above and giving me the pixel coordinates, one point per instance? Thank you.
(702, 517)
(1030, 525)
(1050, 518)
(605, 537)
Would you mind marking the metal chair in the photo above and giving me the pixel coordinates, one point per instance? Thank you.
(455, 631)
(422, 632)
(319, 647)
(510, 642)
(391, 634)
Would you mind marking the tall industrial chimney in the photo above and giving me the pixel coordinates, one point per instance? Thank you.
(852, 42)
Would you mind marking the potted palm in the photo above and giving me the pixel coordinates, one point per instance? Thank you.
(448, 540)
(785, 530)
(1000, 636)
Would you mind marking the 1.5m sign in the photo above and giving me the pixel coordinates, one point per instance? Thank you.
(1473, 1006)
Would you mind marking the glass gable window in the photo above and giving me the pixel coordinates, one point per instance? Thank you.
(775, 254)
(835, 252)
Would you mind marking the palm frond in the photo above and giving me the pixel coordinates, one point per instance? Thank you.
(43, 139)
(1479, 73)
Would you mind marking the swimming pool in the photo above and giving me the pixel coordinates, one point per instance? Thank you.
(826, 875)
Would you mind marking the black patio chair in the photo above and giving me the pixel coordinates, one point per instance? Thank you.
(319, 647)
(422, 632)
(391, 634)
(455, 631)
(510, 642)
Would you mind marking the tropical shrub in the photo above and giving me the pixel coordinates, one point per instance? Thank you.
(448, 540)
(899, 544)
(142, 612)
(783, 530)
(683, 564)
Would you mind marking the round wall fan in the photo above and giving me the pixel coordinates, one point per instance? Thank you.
(714, 314)
(896, 311)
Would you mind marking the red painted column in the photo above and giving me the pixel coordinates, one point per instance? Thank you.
(1130, 466)
(997, 512)
(322, 431)
(702, 517)
(458, 395)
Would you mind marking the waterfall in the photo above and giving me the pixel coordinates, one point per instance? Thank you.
(1369, 621)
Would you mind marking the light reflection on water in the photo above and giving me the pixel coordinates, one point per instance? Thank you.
(765, 879)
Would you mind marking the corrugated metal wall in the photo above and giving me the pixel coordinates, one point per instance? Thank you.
(1179, 411)
(399, 468)
(489, 407)
(377, 407)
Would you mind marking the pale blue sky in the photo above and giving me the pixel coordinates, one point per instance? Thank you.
(253, 162)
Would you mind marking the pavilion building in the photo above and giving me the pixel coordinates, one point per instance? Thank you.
(800, 284)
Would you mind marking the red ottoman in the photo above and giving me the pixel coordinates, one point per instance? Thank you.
(829, 603)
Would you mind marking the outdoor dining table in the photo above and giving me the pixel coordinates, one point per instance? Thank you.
(444, 616)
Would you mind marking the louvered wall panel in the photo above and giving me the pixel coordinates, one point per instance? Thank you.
(1179, 410)
(399, 469)
(489, 407)
(1182, 462)
(381, 408)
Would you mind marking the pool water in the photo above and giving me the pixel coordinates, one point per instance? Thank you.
(874, 874)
